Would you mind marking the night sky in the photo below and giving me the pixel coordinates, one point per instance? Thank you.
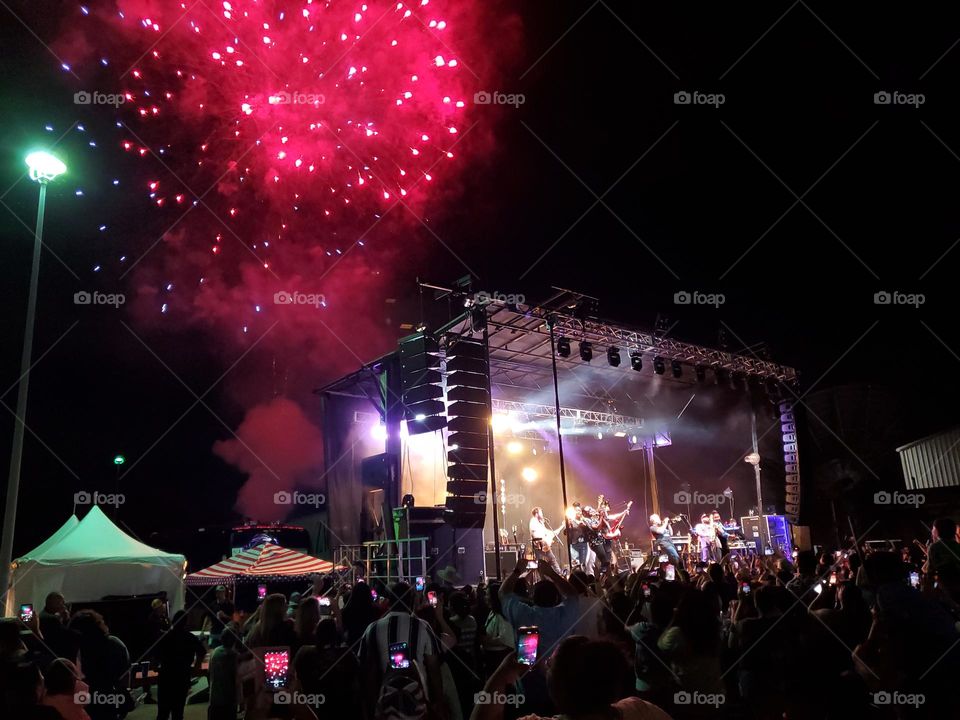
(798, 199)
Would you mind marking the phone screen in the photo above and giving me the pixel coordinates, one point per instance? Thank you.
(420, 584)
(373, 594)
(914, 579)
(399, 656)
(531, 565)
(325, 601)
(818, 588)
(670, 573)
(261, 592)
(26, 612)
(768, 551)
(432, 598)
(276, 667)
(833, 578)
(528, 638)
(745, 587)
(646, 590)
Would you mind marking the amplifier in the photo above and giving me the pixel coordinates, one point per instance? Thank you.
(508, 561)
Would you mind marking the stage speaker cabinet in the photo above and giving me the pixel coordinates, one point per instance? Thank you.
(801, 537)
(778, 533)
(459, 548)
(508, 560)
(754, 535)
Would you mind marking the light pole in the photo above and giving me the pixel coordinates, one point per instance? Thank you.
(118, 460)
(44, 167)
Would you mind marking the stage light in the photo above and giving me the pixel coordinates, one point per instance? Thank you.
(619, 433)
(586, 351)
(571, 513)
(676, 368)
(44, 166)
(701, 373)
(119, 459)
(528, 474)
(599, 436)
(514, 447)
(500, 422)
(455, 446)
(419, 416)
(563, 347)
(753, 458)
(379, 432)
(658, 365)
(633, 439)
(636, 360)
(613, 356)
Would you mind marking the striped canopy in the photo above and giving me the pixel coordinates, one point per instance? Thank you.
(260, 562)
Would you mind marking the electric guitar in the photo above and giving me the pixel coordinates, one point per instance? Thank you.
(614, 530)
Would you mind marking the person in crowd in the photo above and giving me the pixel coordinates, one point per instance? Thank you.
(465, 670)
(221, 614)
(64, 688)
(329, 672)
(692, 643)
(222, 673)
(358, 613)
(23, 692)
(54, 619)
(655, 680)
(499, 637)
(398, 625)
(587, 680)
(272, 628)
(305, 622)
(943, 557)
(180, 654)
(761, 644)
(801, 586)
(104, 661)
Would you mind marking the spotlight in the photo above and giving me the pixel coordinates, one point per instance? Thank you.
(658, 366)
(701, 373)
(613, 356)
(563, 347)
(528, 474)
(636, 360)
(599, 436)
(619, 433)
(514, 447)
(586, 351)
(633, 439)
(676, 368)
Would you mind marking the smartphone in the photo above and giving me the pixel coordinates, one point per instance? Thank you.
(818, 588)
(532, 565)
(325, 601)
(646, 590)
(768, 551)
(833, 578)
(421, 584)
(745, 588)
(663, 559)
(432, 598)
(26, 612)
(373, 594)
(528, 638)
(914, 579)
(261, 592)
(399, 656)
(670, 573)
(276, 663)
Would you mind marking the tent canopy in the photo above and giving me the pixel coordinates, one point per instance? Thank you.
(94, 559)
(264, 560)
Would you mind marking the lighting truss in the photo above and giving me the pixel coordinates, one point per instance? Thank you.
(586, 417)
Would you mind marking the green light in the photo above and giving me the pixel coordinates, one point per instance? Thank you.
(119, 460)
(44, 166)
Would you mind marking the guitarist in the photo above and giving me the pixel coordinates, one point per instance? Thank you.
(542, 538)
(612, 523)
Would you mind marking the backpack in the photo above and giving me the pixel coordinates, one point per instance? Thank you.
(403, 693)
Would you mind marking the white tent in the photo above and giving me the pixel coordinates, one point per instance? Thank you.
(92, 559)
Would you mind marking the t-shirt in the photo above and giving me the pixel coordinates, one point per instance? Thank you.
(628, 709)
(697, 671)
(397, 627)
(223, 677)
(944, 557)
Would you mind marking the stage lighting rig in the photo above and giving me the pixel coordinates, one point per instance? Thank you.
(563, 347)
(586, 351)
(613, 356)
(636, 360)
(676, 368)
(658, 365)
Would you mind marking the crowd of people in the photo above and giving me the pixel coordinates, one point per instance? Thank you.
(836, 635)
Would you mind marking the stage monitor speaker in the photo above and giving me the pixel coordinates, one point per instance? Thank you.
(459, 548)
(508, 561)
(754, 536)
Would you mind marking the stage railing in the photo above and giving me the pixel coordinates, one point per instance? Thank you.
(386, 560)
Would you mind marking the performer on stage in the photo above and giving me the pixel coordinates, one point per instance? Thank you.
(594, 525)
(541, 538)
(610, 527)
(661, 531)
(578, 535)
(722, 534)
(707, 534)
